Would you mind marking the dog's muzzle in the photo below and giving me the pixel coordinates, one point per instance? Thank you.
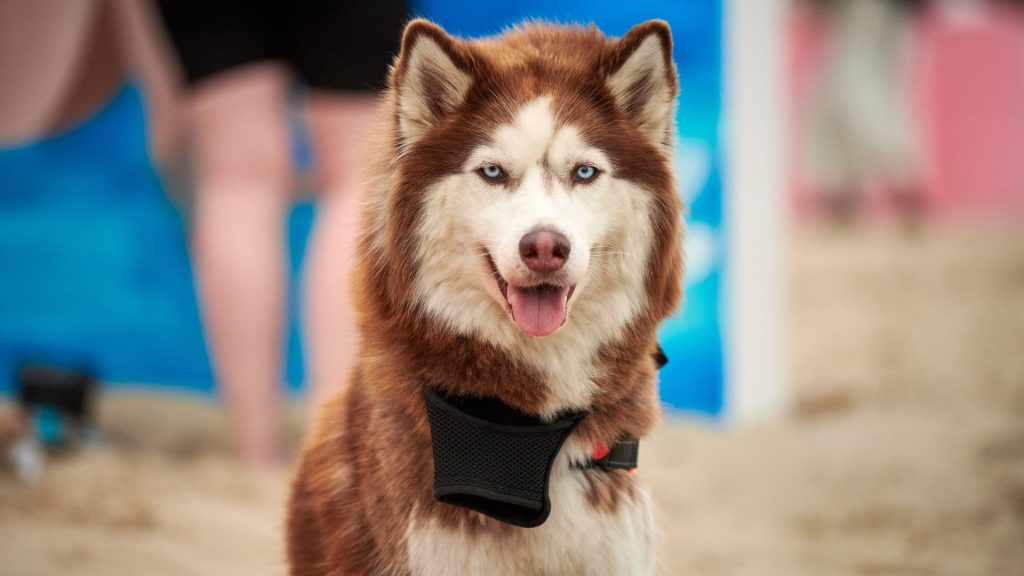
(493, 459)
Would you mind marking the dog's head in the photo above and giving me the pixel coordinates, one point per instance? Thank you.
(531, 188)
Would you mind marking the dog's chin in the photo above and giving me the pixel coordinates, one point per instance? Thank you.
(537, 309)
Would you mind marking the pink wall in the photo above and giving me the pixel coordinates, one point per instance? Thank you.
(969, 88)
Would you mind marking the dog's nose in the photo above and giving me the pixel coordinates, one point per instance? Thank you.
(544, 250)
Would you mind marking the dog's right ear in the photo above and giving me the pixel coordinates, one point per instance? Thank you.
(431, 77)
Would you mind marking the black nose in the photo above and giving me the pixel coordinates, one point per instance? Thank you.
(544, 250)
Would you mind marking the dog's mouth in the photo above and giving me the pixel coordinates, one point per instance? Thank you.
(538, 309)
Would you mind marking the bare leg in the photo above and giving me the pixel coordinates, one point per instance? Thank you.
(339, 124)
(911, 205)
(243, 168)
(843, 206)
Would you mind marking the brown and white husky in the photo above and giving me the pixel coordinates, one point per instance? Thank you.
(521, 241)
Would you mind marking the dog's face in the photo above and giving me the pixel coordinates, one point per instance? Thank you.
(540, 161)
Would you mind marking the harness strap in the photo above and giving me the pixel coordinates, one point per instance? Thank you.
(623, 455)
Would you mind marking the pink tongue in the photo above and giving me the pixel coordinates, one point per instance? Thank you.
(540, 310)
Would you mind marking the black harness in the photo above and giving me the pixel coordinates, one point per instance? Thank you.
(491, 458)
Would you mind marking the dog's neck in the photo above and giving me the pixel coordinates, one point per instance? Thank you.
(464, 365)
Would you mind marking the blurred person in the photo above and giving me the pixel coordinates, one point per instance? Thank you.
(860, 129)
(239, 59)
(60, 62)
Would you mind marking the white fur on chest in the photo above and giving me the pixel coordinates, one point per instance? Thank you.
(576, 539)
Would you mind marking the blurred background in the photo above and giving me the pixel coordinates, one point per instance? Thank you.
(845, 392)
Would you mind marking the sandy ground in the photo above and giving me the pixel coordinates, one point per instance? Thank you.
(904, 452)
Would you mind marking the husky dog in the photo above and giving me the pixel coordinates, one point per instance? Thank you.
(521, 242)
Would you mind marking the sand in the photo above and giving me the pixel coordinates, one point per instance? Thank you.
(903, 454)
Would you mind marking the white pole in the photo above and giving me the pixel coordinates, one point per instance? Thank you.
(757, 386)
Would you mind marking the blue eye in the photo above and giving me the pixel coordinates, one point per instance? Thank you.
(492, 172)
(585, 172)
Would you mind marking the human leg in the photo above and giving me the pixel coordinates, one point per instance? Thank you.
(243, 172)
(339, 124)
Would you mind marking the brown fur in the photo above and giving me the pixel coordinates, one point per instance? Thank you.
(369, 463)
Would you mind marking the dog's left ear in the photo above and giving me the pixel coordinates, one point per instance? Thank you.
(642, 78)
